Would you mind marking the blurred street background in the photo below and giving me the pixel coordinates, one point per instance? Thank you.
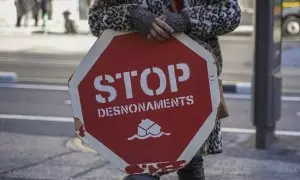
(37, 139)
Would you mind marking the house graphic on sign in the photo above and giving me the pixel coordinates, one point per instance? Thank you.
(148, 129)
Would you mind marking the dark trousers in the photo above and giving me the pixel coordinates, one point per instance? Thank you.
(36, 19)
(193, 171)
(19, 19)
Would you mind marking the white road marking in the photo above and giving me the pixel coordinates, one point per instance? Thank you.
(290, 98)
(238, 130)
(248, 96)
(39, 80)
(35, 87)
(237, 96)
(243, 88)
(67, 102)
(253, 131)
(35, 62)
(298, 113)
(248, 39)
(244, 28)
(66, 88)
(36, 118)
(70, 119)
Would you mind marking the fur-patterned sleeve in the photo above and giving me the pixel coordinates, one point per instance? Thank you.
(214, 17)
(109, 14)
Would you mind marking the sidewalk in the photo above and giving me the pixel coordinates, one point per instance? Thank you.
(52, 28)
(58, 159)
(241, 160)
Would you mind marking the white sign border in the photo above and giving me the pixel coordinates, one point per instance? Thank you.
(210, 122)
(90, 59)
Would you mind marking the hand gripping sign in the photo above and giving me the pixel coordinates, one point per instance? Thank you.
(146, 106)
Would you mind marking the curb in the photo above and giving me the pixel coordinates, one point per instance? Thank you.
(59, 33)
(237, 88)
(240, 33)
(243, 30)
(8, 77)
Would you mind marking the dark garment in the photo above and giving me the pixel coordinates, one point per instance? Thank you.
(19, 19)
(35, 11)
(193, 171)
(44, 6)
(23, 7)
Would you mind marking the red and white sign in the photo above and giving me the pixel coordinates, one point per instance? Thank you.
(146, 106)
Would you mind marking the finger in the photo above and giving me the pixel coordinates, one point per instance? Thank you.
(162, 17)
(149, 37)
(155, 35)
(163, 25)
(160, 31)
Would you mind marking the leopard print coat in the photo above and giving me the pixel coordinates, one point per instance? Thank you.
(209, 19)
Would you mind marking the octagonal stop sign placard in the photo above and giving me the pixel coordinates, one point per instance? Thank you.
(146, 106)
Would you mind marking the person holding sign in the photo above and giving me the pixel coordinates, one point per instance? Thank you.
(157, 20)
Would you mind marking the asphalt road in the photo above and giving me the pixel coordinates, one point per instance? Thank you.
(55, 61)
(36, 146)
(35, 102)
(37, 132)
